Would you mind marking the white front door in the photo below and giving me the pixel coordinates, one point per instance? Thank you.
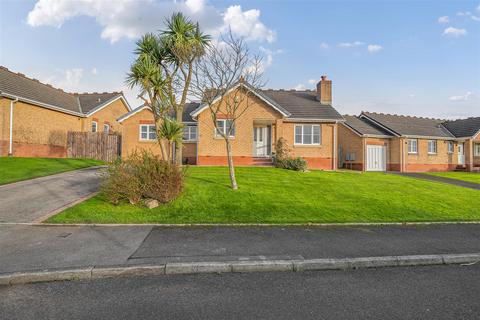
(461, 154)
(260, 141)
(376, 158)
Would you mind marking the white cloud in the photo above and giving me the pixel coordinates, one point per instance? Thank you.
(351, 44)
(130, 19)
(68, 80)
(94, 71)
(312, 81)
(443, 19)
(195, 5)
(247, 24)
(454, 32)
(468, 14)
(324, 45)
(372, 48)
(465, 97)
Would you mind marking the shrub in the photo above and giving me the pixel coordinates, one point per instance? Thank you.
(142, 175)
(297, 164)
(284, 160)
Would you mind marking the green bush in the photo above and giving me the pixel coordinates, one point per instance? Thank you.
(142, 175)
(284, 160)
(297, 164)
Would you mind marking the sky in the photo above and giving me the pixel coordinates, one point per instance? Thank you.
(401, 57)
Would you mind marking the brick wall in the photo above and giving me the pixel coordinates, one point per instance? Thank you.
(37, 132)
(131, 137)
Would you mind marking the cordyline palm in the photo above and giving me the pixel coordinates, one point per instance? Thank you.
(146, 73)
(183, 43)
(164, 63)
(172, 131)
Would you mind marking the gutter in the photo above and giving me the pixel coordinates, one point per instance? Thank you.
(41, 104)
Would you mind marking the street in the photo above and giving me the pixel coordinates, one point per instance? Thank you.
(437, 292)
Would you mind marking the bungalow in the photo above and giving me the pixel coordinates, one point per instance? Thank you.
(305, 119)
(35, 117)
(381, 142)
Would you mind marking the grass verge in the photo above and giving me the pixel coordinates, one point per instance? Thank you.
(465, 176)
(14, 169)
(270, 195)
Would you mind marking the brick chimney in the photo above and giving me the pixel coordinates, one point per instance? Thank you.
(324, 91)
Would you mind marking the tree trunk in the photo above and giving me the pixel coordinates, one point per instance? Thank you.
(178, 144)
(231, 168)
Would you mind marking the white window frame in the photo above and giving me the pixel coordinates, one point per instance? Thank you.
(409, 144)
(216, 132)
(107, 126)
(149, 130)
(434, 143)
(476, 149)
(450, 147)
(303, 135)
(189, 133)
(94, 125)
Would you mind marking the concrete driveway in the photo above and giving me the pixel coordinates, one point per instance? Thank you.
(31, 200)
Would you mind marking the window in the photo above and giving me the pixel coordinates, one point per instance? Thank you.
(432, 146)
(189, 133)
(225, 126)
(307, 134)
(412, 146)
(94, 126)
(147, 132)
(477, 149)
(450, 146)
(106, 128)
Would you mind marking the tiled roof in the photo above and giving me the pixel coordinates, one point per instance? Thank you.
(365, 127)
(189, 107)
(463, 127)
(410, 126)
(303, 105)
(90, 101)
(19, 85)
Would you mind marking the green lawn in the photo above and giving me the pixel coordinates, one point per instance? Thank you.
(465, 176)
(16, 169)
(269, 195)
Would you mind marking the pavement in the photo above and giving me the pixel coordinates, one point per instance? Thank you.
(36, 247)
(455, 182)
(32, 200)
(433, 292)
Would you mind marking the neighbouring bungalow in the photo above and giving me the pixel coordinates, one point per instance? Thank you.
(305, 119)
(139, 132)
(381, 142)
(35, 117)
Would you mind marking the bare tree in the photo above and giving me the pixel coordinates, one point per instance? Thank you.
(226, 79)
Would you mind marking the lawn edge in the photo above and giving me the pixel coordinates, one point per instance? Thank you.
(216, 267)
(327, 224)
(51, 175)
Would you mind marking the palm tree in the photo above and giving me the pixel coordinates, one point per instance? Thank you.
(184, 43)
(164, 68)
(172, 131)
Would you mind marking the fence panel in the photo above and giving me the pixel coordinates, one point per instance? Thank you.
(94, 145)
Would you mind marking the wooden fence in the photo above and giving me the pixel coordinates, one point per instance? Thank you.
(94, 145)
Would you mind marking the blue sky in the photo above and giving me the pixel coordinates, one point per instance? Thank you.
(403, 57)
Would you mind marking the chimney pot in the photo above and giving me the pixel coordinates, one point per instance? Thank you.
(324, 90)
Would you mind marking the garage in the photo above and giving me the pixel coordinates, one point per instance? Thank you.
(376, 158)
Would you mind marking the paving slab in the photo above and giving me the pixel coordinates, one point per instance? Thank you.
(167, 244)
(29, 200)
(24, 248)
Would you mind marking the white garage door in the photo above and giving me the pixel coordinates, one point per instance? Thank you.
(376, 158)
